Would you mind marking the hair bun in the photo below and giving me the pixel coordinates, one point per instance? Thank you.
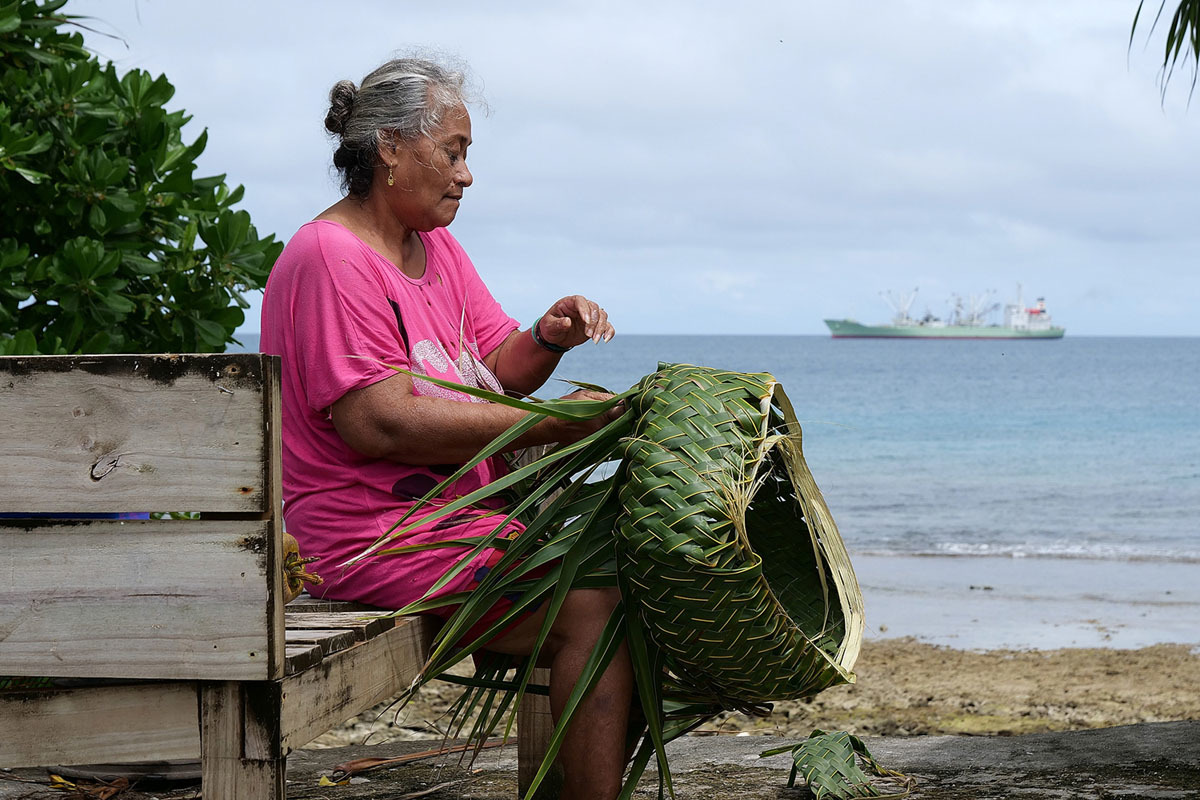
(341, 106)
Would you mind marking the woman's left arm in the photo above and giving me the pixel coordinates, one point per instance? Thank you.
(526, 359)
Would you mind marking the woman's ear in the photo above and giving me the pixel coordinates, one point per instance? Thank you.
(392, 141)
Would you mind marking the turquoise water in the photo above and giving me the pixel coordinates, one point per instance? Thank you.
(992, 494)
(1082, 447)
(1085, 447)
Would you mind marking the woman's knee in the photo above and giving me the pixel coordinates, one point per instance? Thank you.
(594, 604)
(584, 614)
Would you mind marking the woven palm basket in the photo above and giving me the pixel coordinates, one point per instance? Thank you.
(726, 549)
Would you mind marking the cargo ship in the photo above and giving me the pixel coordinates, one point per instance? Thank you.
(968, 320)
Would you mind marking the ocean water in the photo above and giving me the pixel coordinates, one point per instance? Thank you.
(1003, 494)
(947, 462)
(1078, 448)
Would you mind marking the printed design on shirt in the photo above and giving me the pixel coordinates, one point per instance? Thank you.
(414, 486)
(428, 357)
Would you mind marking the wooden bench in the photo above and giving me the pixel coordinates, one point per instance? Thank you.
(176, 628)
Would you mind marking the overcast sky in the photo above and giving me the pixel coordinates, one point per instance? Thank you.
(752, 167)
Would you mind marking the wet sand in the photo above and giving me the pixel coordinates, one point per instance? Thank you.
(992, 603)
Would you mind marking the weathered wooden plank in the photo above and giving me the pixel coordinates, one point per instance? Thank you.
(298, 657)
(307, 604)
(355, 679)
(134, 433)
(227, 729)
(156, 721)
(535, 727)
(330, 641)
(137, 599)
(364, 624)
(273, 512)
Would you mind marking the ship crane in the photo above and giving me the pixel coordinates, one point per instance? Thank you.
(900, 302)
(974, 310)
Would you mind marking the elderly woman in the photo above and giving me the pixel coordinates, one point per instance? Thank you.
(377, 279)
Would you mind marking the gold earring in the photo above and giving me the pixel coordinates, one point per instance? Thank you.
(391, 177)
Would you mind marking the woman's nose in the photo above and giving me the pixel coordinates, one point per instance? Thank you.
(464, 176)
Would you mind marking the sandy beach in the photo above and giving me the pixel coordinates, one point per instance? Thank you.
(906, 687)
(967, 645)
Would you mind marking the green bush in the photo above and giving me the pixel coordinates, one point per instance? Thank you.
(108, 243)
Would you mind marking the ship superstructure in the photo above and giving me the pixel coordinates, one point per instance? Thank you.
(967, 320)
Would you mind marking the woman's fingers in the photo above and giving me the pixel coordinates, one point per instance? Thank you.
(575, 319)
(603, 329)
(587, 394)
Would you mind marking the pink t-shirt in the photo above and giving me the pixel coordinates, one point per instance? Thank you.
(334, 308)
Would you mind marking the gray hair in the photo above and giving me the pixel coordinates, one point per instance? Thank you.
(404, 98)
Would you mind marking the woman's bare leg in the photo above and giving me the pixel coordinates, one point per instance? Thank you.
(593, 751)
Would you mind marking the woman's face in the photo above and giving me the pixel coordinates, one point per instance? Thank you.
(431, 173)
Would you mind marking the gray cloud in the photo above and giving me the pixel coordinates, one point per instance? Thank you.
(763, 166)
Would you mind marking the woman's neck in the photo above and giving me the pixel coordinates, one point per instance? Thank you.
(372, 221)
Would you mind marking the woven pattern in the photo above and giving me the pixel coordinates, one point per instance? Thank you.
(828, 762)
(726, 550)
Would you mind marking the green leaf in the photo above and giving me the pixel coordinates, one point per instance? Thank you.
(97, 343)
(12, 254)
(31, 175)
(10, 18)
(229, 318)
(122, 202)
(23, 343)
(119, 303)
(177, 181)
(188, 154)
(74, 331)
(98, 219)
(29, 145)
(50, 6)
(210, 332)
(828, 762)
(560, 409)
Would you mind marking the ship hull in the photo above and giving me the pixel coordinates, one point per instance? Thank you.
(847, 329)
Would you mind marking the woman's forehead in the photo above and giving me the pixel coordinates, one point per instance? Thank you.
(456, 124)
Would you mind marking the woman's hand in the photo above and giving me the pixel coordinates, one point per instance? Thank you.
(573, 320)
(568, 431)
(523, 362)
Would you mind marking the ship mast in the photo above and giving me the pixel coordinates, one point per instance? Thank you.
(979, 308)
(900, 303)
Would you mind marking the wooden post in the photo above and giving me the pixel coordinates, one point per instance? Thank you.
(535, 726)
(225, 727)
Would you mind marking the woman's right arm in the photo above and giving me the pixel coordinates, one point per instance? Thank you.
(387, 420)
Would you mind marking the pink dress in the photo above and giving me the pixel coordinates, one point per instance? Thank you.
(334, 308)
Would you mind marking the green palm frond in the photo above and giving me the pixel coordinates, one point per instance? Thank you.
(1183, 36)
(736, 587)
(828, 762)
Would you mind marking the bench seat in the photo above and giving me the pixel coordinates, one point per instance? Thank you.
(172, 635)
